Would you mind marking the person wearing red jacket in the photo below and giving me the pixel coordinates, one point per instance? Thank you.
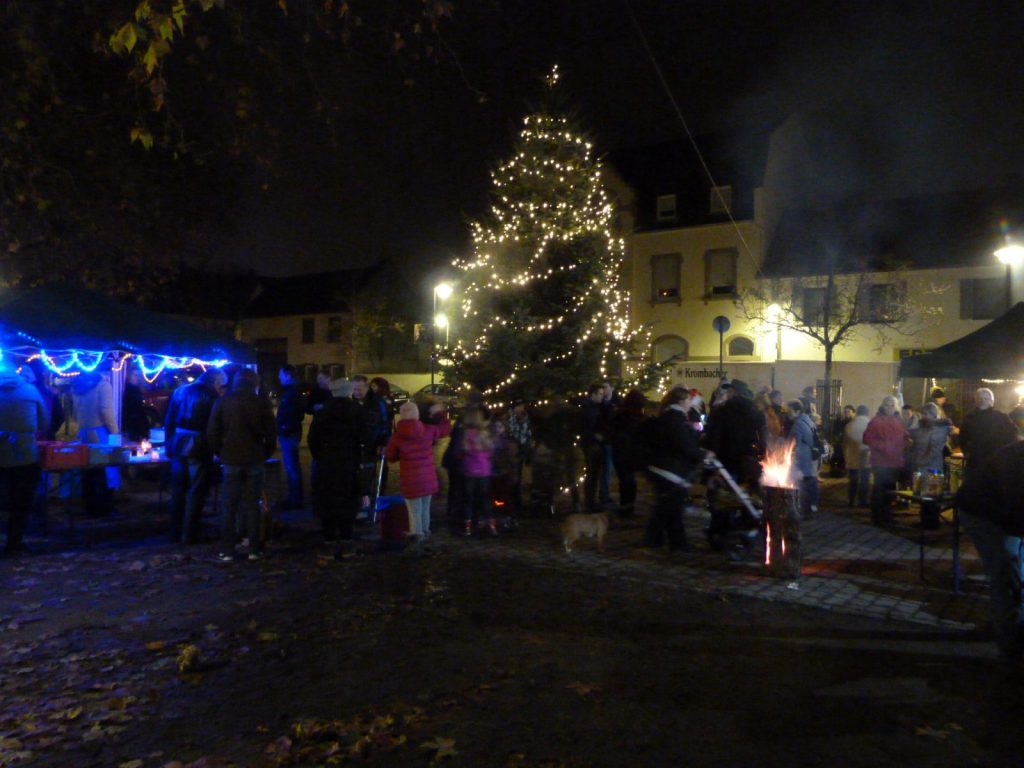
(412, 446)
(887, 438)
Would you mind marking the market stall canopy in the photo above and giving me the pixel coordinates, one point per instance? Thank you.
(995, 351)
(69, 317)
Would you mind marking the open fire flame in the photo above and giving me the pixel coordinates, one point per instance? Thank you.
(768, 545)
(778, 465)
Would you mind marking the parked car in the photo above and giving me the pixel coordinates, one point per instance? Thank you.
(439, 393)
(399, 395)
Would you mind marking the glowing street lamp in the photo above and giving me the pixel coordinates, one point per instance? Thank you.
(442, 291)
(441, 321)
(1012, 255)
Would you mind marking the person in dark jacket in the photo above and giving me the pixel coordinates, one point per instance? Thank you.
(41, 380)
(36, 374)
(381, 390)
(21, 414)
(625, 434)
(320, 394)
(134, 423)
(188, 415)
(801, 432)
(675, 456)
(241, 432)
(993, 517)
(593, 436)
(291, 410)
(736, 433)
(520, 435)
(985, 430)
(380, 425)
(335, 440)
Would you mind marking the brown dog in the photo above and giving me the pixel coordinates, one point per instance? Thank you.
(576, 526)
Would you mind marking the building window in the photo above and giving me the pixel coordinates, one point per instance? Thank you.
(812, 307)
(878, 303)
(741, 346)
(982, 298)
(666, 208)
(667, 349)
(721, 199)
(308, 330)
(665, 270)
(334, 329)
(720, 272)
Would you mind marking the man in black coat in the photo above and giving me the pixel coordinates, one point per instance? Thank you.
(336, 436)
(675, 454)
(291, 410)
(593, 433)
(242, 433)
(188, 415)
(736, 433)
(993, 517)
(985, 431)
(134, 423)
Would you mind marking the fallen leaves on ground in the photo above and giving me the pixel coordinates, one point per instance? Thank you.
(189, 658)
(332, 742)
(583, 689)
(441, 748)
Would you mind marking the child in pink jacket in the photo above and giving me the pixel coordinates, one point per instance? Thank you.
(477, 452)
(412, 446)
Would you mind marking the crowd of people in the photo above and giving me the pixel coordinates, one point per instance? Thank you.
(356, 431)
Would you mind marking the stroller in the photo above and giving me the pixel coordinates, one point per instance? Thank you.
(737, 523)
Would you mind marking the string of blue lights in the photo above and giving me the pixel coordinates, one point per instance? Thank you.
(71, 362)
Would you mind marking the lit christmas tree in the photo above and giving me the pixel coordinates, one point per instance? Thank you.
(543, 314)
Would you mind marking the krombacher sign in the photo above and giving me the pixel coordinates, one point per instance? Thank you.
(700, 373)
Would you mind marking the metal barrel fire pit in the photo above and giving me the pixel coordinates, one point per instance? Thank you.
(781, 499)
(782, 532)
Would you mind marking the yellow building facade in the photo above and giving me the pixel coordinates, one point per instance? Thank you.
(682, 277)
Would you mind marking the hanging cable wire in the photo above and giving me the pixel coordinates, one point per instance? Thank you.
(689, 135)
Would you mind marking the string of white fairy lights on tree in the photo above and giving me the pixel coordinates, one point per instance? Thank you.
(565, 201)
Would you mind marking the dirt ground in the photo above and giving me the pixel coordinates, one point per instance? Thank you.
(138, 654)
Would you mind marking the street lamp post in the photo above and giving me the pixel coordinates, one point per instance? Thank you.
(441, 291)
(1012, 255)
(441, 321)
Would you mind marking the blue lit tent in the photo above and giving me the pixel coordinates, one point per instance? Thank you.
(72, 327)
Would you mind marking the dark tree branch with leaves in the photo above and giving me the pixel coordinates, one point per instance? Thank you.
(131, 135)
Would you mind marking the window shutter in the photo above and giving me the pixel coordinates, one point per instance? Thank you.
(863, 307)
(665, 277)
(966, 299)
(720, 272)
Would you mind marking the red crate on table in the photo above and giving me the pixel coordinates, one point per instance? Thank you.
(57, 455)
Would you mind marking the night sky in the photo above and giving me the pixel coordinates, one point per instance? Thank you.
(929, 91)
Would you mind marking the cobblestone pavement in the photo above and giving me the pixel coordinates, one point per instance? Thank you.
(849, 565)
